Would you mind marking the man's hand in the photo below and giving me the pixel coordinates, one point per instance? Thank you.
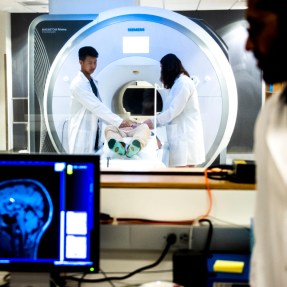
(159, 144)
(126, 123)
(149, 123)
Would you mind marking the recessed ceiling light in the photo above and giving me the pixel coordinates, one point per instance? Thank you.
(34, 3)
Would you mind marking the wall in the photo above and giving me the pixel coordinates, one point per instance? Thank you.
(230, 207)
(19, 35)
(5, 69)
(126, 247)
(229, 25)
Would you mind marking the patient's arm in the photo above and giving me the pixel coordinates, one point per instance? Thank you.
(159, 144)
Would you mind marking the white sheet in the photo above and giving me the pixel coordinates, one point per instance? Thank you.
(149, 157)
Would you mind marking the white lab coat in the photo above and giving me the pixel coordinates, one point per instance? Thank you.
(85, 110)
(269, 258)
(182, 118)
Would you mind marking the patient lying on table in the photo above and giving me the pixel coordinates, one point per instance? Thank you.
(139, 133)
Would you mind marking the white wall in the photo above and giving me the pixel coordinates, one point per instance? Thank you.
(232, 207)
(5, 68)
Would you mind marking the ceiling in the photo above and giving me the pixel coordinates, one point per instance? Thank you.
(42, 6)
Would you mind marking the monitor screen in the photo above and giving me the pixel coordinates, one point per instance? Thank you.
(49, 213)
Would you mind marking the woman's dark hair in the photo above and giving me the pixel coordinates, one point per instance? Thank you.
(171, 68)
(87, 51)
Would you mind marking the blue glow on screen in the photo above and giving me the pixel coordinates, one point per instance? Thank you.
(60, 166)
(35, 197)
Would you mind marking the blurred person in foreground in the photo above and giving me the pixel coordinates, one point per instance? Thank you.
(268, 41)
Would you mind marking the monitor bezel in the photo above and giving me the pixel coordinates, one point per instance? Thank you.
(95, 247)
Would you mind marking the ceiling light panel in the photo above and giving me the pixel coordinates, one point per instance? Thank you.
(38, 8)
(34, 3)
(151, 3)
(181, 5)
(239, 5)
(216, 4)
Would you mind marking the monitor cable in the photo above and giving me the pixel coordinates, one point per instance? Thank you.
(209, 235)
(6, 280)
(170, 240)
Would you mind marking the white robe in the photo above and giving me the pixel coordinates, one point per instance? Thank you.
(269, 258)
(182, 118)
(85, 110)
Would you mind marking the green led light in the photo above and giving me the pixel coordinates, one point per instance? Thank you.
(69, 169)
(92, 269)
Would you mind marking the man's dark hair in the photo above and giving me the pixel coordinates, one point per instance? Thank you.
(171, 68)
(87, 51)
(276, 6)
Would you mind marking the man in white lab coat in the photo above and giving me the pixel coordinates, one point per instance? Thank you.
(87, 111)
(267, 40)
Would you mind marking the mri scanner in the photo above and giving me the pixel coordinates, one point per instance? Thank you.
(130, 41)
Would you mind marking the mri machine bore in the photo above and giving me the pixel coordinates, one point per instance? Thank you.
(131, 41)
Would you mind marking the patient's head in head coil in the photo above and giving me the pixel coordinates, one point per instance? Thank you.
(25, 213)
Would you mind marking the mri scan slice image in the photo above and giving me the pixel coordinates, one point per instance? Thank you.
(25, 213)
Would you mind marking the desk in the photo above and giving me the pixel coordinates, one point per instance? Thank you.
(174, 178)
(168, 196)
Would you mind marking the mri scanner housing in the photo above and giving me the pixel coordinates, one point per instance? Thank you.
(130, 41)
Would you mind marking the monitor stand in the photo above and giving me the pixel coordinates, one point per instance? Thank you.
(32, 279)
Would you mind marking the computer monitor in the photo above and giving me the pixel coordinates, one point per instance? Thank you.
(49, 215)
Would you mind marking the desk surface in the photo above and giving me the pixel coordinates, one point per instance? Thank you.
(184, 179)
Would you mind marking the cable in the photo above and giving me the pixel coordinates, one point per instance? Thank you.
(171, 239)
(105, 275)
(229, 223)
(190, 236)
(220, 172)
(57, 280)
(81, 279)
(238, 172)
(207, 187)
(209, 235)
(144, 272)
(55, 283)
(6, 280)
(209, 194)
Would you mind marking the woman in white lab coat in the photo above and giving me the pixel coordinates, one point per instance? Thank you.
(181, 115)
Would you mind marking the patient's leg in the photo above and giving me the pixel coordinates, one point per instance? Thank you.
(114, 137)
(140, 133)
(140, 136)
